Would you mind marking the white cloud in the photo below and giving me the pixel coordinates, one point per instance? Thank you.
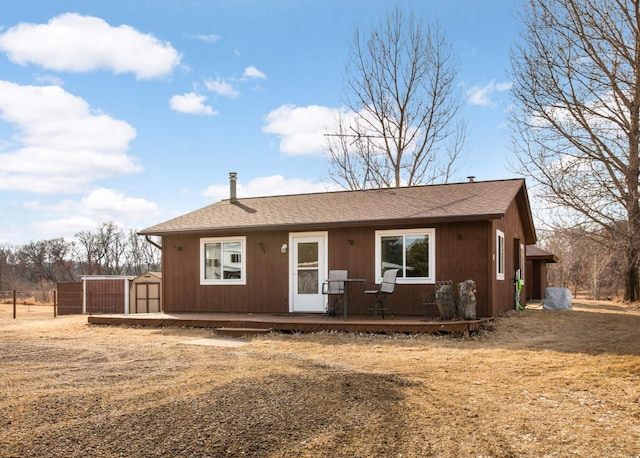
(49, 80)
(108, 202)
(68, 217)
(63, 144)
(274, 185)
(252, 72)
(481, 95)
(301, 129)
(221, 87)
(208, 38)
(100, 202)
(74, 43)
(191, 103)
(65, 227)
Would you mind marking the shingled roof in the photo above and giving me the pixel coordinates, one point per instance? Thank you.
(475, 200)
(535, 252)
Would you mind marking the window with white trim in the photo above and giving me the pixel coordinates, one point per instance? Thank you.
(499, 255)
(222, 261)
(410, 250)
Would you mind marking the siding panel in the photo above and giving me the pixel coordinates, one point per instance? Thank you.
(463, 251)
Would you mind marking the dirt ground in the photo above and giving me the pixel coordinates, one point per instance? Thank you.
(539, 383)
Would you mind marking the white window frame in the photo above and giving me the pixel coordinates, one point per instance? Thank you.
(523, 260)
(500, 255)
(243, 261)
(430, 233)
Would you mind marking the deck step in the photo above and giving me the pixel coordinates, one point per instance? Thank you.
(240, 332)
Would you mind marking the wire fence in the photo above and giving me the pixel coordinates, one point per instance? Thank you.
(23, 303)
(67, 300)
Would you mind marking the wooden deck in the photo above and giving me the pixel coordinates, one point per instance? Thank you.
(228, 322)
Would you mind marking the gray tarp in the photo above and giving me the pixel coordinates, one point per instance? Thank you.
(557, 299)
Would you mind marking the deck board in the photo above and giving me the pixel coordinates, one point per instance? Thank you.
(293, 323)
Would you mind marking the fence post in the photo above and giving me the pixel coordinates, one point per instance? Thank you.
(55, 302)
(14, 304)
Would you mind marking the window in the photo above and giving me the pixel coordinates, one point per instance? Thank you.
(410, 250)
(222, 261)
(499, 255)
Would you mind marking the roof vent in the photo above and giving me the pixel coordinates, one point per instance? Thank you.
(471, 178)
(233, 198)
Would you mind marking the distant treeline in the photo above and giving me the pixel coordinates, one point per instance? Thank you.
(107, 250)
(591, 263)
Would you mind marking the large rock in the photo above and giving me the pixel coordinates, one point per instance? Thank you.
(444, 300)
(467, 299)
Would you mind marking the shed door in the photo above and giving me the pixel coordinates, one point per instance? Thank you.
(147, 298)
(308, 261)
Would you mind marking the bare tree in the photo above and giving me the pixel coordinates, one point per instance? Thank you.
(140, 255)
(587, 263)
(108, 250)
(111, 244)
(86, 253)
(402, 126)
(102, 250)
(576, 115)
(47, 260)
(7, 267)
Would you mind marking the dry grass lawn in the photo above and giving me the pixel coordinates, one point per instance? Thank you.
(540, 383)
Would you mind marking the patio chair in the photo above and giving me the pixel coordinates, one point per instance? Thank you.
(334, 289)
(386, 287)
(430, 306)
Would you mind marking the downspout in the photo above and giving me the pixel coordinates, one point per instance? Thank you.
(163, 284)
(146, 237)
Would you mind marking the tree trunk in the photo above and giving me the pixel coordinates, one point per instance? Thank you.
(632, 280)
(632, 286)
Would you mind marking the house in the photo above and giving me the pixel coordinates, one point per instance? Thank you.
(536, 271)
(271, 254)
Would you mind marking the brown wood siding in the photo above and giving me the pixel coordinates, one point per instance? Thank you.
(105, 296)
(461, 252)
(353, 249)
(460, 255)
(267, 277)
(69, 298)
(504, 290)
(536, 279)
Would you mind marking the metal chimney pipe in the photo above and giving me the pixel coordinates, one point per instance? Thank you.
(233, 198)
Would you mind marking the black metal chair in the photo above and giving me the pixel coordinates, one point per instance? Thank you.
(429, 305)
(384, 289)
(333, 287)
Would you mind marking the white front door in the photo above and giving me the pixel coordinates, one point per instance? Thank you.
(308, 267)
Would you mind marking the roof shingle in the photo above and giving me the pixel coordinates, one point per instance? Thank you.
(469, 200)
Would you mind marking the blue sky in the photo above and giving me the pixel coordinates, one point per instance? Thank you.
(135, 111)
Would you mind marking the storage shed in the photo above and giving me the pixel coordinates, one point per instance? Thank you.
(536, 271)
(106, 293)
(146, 293)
